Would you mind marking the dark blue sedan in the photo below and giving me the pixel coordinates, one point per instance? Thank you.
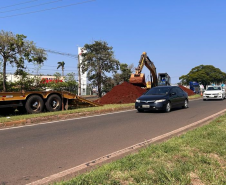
(162, 98)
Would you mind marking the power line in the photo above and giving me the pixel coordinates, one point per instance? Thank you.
(48, 9)
(61, 53)
(31, 6)
(49, 66)
(18, 4)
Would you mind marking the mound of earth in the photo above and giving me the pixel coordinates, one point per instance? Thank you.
(123, 93)
(189, 91)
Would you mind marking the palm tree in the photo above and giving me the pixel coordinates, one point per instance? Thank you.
(61, 64)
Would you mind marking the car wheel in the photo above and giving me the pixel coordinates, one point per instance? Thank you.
(140, 110)
(204, 99)
(185, 106)
(168, 107)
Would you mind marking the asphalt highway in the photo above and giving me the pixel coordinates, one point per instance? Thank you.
(31, 153)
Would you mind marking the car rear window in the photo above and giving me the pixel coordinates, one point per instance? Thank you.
(158, 91)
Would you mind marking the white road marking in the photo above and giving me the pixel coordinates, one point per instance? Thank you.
(32, 125)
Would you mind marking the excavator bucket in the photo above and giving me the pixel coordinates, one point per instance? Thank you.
(138, 80)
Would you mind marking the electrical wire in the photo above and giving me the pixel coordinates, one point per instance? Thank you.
(18, 4)
(61, 53)
(83, 2)
(31, 6)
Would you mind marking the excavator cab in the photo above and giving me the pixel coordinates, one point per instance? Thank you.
(163, 79)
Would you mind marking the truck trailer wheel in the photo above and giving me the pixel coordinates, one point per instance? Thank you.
(34, 104)
(54, 103)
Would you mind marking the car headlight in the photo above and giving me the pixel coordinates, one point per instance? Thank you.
(162, 100)
(220, 93)
(138, 101)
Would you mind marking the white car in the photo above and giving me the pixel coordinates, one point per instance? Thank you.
(214, 92)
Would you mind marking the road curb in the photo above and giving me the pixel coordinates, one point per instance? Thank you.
(85, 167)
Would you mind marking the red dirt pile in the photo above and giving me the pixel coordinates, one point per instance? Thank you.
(189, 91)
(123, 93)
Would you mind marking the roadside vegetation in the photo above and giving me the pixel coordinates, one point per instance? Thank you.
(88, 111)
(197, 157)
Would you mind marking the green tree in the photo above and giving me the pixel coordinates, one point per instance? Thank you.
(16, 50)
(108, 84)
(204, 74)
(98, 59)
(61, 64)
(117, 78)
(126, 72)
(71, 83)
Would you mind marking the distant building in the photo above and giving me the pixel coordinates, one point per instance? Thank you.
(47, 79)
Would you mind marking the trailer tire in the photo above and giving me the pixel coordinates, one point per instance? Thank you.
(34, 104)
(54, 103)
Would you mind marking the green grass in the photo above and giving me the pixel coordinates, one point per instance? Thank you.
(80, 110)
(195, 96)
(13, 117)
(197, 157)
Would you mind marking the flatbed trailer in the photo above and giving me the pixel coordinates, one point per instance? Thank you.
(38, 101)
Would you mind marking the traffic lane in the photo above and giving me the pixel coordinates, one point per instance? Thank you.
(38, 151)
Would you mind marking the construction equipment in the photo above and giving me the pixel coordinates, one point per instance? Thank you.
(36, 101)
(163, 79)
(138, 78)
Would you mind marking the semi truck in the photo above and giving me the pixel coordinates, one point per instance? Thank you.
(195, 87)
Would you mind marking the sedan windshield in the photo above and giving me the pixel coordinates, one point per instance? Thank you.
(158, 91)
(213, 88)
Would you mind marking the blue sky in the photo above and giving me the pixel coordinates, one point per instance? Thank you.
(177, 35)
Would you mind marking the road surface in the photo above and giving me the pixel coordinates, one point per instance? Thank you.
(33, 152)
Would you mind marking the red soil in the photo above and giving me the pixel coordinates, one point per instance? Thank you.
(189, 91)
(128, 93)
(123, 93)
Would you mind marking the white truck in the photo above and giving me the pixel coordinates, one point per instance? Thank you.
(214, 92)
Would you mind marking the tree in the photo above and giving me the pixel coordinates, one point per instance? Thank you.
(71, 84)
(204, 74)
(125, 72)
(108, 84)
(16, 50)
(98, 59)
(61, 64)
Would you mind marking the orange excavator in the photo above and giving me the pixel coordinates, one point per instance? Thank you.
(138, 78)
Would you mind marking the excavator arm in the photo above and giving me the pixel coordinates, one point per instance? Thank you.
(139, 78)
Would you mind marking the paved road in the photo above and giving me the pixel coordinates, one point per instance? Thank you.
(31, 153)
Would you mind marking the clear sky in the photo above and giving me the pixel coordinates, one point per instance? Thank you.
(177, 35)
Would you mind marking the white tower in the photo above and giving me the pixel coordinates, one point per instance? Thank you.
(82, 76)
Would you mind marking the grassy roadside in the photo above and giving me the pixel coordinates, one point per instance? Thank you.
(71, 113)
(196, 96)
(110, 107)
(197, 157)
